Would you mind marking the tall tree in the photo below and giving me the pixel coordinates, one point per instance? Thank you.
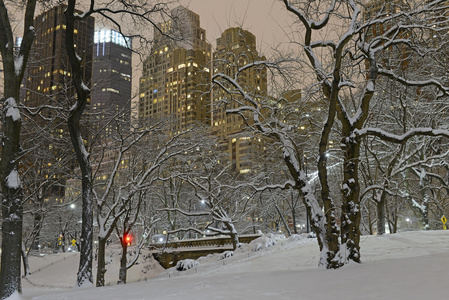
(142, 13)
(14, 63)
(346, 68)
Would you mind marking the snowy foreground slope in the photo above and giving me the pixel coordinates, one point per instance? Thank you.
(409, 265)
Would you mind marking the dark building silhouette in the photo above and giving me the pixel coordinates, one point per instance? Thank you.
(112, 75)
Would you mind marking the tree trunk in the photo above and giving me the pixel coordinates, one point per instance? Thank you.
(84, 275)
(12, 208)
(332, 231)
(289, 233)
(101, 264)
(37, 226)
(425, 204)
(123, 268)
(14, 64)
(26, 264)
(380, 206)
(234, 235)
(350, 218)
(295, 230)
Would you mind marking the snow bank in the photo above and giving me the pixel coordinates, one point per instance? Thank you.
(294, 238)
(15, 296)
(260, 243)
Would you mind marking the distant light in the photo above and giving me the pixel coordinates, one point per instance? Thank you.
(161, 240)
(106, 36)
(19, 41)
(72, 206)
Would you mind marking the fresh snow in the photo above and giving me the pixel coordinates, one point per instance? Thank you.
(11, 109)
(13, 180)
(18, 64)
(84, 87)
(409, 265)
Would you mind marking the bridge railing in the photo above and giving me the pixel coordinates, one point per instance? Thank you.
(209, 242)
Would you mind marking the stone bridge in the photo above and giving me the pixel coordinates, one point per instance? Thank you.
(168, 254)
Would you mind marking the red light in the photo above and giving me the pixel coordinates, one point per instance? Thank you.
(128, 239)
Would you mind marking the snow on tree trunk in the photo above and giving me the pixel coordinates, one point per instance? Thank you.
(13, 65)
(351, 214)
(12, 207)
(234, 235)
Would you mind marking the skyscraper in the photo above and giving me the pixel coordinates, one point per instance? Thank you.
(176, 76)
(236, 48)
(112, 75)
(48, 74)
(47, 88)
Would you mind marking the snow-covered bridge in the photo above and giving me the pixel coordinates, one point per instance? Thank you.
(168, 254)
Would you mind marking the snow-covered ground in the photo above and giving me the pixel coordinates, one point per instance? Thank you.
(409, 265)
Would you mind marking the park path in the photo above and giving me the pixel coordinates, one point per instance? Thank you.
(53, 271)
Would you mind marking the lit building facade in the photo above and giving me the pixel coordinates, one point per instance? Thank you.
(175, 79)
(235, 48)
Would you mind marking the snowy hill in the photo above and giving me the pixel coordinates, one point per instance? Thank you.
(409, 265)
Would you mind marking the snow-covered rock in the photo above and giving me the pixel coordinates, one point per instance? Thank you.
(186, 264)
(225, 255)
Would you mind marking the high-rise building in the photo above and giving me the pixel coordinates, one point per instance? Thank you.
(236, 48)
(112, 75)
(48, 74)
(47, 86)
(176, 76)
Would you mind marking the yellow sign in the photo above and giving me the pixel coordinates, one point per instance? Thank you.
(444, 220)
(73, 242)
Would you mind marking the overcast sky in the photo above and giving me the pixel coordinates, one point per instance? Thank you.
(266, 19)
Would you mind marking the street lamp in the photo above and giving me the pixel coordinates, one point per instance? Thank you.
(408, 221)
